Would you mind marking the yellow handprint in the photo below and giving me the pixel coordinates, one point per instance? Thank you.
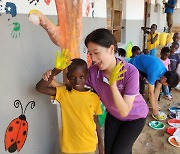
(116, 73)
(62, 59)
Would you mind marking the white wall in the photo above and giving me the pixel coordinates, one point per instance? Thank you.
(23, 7)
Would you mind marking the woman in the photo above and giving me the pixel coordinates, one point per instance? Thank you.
(127, 110)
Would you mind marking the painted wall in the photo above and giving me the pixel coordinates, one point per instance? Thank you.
(132, 22)
(177, 13)
(24, 56)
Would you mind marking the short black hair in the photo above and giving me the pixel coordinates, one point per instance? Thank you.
(154, 25)
(102, 37)
(165, 50)
(135, 48)
(77, 62)
(174, 43)
(121, 52)
(172, 78)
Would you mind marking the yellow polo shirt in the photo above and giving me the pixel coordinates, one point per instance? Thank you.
(149, 45)
(78, 126)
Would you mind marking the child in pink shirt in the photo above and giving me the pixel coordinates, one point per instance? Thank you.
(165, 52)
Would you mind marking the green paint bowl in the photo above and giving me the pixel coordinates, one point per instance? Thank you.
(156, 125)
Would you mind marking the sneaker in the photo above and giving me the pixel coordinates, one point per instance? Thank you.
(169, 97)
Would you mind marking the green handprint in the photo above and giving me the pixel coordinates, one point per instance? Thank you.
(116, 73)
(62, 59)
(16, 30)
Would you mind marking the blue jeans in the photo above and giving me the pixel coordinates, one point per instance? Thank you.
(153, 52)
(166, 91)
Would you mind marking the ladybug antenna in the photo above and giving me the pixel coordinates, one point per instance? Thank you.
(16, 105)
(32, 105)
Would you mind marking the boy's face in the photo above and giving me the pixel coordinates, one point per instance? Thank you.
(163, 81)
(153, 28)
(77, 78)
(174, 48)
(164, 56)
(176, 38)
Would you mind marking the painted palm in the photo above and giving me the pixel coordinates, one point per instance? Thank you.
(67, 33)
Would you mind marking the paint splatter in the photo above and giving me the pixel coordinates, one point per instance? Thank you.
(47, 1)
(16, 30)
(87, 8)
(11, 9)
(33, 1)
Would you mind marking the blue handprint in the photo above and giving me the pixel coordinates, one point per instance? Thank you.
(35, 1)
(11, 9)
(1, 7)
(16, 30)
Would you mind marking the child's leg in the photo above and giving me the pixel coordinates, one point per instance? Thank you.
(166, 90)
(121, 135)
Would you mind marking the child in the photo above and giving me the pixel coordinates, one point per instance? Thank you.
(165, 52)
(78, 105)
(135, 51)
(176, 39)
(174, 58)
(122, 54)
(152, 40)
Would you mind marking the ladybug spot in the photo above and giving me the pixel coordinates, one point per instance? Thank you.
(24, 133)
(12, 148)
(18, 142)
(17, 122)
(10, 129)
(24, 124)
(12, 140)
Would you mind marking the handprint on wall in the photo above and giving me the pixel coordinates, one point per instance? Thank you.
(16, 30)
(47, 1)
(11, 9)
(33, 1)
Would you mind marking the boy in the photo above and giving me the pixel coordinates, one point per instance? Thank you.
(78, 106)
(152, 39)
(135, 51)
(176, 39)
(174, 58)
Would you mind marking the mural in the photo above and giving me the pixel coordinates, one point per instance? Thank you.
(17, 131)
(35, 2)
(16, 30)
(67, 34)
(47, 1)
(11, 9)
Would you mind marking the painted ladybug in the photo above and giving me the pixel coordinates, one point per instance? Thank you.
(17, 130)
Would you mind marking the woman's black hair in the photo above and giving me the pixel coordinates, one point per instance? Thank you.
(102, 37)
(172, 78)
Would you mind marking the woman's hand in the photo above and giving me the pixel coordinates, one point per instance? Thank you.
(116, 73)
(62, 59)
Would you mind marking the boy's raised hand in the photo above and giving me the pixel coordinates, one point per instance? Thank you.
(116, 73)
(62, 59)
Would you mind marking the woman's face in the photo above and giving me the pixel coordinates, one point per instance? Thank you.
(101, 56)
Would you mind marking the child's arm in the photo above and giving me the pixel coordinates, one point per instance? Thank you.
(62, 61)
(153, 39)
(44, 86)
(98, 130)
(54, 83)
